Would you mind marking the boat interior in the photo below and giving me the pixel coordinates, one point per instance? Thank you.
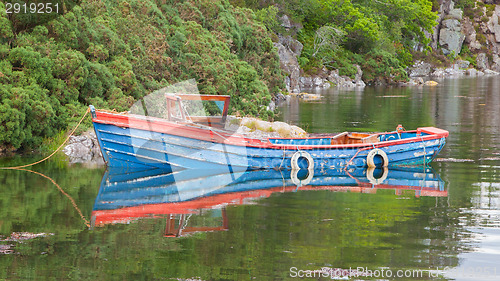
(345, 138)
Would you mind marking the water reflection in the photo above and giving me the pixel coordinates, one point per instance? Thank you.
(281, 226)
(127, 195)
(469, 108)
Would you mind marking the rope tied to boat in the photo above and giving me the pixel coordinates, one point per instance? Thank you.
(20, 168)
(283, 160)
(52, 154)
(75, 206)
(425, 153)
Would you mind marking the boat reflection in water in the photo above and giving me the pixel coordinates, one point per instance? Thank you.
(126, 195)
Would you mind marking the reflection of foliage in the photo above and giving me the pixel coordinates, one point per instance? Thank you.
(110, 53)
(263, 241)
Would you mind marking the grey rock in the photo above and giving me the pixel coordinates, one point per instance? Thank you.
(243, 130)
(84, 149)
(492, 22)
(438, 72)
(306, 82)
(469, 30)
(496, 63)
(420, 69)
(317, 82)
(346, 82)
(471, 72)
(289, 64)
(333, 76)
(475, 45)
(313, 82)
(293, 45)
(280, 98)
(271, 106)
(360, 84)
(462, 64)
(451, 37)
(496, 30)
(455, 14)
(78, 150)
(490, 72)
(482, 61)
(417, 81)
(288, 50)
(359, 73)
(287, 83)
(285, 21)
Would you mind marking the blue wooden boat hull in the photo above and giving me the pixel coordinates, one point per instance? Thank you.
(127, 188)
(173, 147)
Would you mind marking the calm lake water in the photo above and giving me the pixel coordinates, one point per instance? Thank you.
(420, 224)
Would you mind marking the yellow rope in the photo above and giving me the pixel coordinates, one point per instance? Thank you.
(27, 165)
(20, 168)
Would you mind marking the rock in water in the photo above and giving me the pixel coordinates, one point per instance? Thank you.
(84, 149)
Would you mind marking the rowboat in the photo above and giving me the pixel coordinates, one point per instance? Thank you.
(172, 139)
(129, 194)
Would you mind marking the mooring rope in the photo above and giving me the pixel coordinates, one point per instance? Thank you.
(425, 153)
(62, 144)
(20, 168)
(87, 223)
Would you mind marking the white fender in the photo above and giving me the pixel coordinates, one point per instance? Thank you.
(372, 179)
(372, 154)
(295, 158)
(306, 181)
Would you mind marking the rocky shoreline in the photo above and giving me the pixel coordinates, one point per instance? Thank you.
(289, 49)
(479, 34)
(460, 68)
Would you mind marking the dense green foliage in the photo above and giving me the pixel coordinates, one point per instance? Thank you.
(385, 32)
(111, 53)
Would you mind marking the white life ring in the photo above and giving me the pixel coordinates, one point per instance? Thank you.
(372, 179)
(306, 181)
(295, 159)
(371, 156)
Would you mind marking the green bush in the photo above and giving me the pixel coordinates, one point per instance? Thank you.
(381, 67)
(111, 53)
